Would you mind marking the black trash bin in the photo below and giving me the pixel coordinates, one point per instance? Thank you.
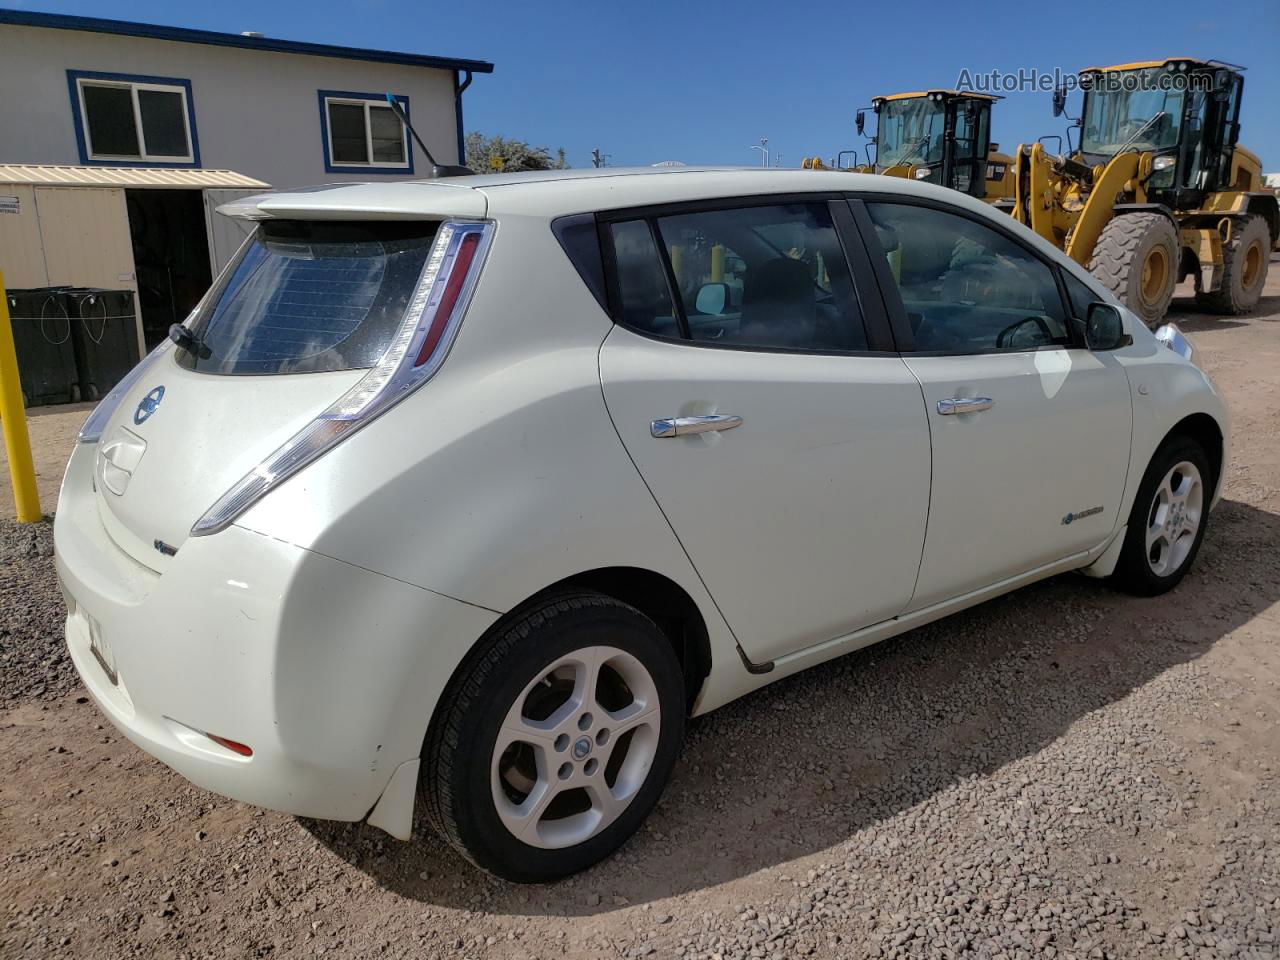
(104, 333)
(42, 336)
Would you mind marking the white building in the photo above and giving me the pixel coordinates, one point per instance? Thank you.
(120, 138)
(84, 91)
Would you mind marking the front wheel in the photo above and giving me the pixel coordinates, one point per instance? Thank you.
(1137, 256)
(1168, 519)
(556, 739)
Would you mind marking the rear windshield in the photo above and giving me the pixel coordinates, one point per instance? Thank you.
(309, 297)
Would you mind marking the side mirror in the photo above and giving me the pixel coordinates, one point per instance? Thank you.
(1104, 327)
(1059, 101)
(712, 298)
(860, 120)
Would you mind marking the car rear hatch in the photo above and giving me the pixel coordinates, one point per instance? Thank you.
(321, 320)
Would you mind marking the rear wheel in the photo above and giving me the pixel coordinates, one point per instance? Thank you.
(1244, 269)
(1168, 519)
(556, 739)
(1136, 256)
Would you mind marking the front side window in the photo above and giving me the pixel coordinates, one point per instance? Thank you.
(1131, 109)
(762, 276)
(362, 131)
(310, 296)
(133, 119)
(1078, 295)
(910, 131)
(966, 287)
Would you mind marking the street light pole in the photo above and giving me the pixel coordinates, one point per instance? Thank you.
(763, 147)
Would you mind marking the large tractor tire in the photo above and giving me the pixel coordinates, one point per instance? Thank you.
(1244, 269)
(1137, 258)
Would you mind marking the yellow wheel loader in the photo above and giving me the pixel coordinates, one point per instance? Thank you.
(941, 136)
(1157, 188)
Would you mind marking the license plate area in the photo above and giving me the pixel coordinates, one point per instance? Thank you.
(102, 652)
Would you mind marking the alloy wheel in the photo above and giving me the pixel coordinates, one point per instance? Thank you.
(575, 747)
(1174, 518)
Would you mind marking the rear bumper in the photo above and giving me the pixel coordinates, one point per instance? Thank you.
(327, 671)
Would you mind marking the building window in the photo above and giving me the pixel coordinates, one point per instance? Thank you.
(128, 120)
(362, 132)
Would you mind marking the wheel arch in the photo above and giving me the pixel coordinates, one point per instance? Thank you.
(1206, 431)
(655, 595)
(659, 598)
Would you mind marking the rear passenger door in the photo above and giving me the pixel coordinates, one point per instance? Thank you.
(802, 500)
(1030, 429)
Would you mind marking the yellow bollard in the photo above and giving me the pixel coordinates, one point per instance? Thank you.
(717, 263)
(17, 443)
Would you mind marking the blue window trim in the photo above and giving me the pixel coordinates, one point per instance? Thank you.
(82, 144)
(329, 166)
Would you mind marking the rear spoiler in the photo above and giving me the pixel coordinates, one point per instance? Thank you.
(411, 200)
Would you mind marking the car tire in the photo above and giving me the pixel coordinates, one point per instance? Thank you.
(1167, 522)
(533, 770)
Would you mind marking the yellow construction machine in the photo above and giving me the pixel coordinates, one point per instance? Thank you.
(941, 136)
(1157, 187)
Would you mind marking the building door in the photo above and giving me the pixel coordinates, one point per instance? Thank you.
(85, 231)
(21, 251)
(171, 249)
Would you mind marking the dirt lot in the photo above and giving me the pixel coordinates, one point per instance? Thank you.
(1064, 772)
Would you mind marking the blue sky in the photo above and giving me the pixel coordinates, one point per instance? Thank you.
(701, 81)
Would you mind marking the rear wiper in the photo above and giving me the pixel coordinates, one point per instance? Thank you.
(189, 342)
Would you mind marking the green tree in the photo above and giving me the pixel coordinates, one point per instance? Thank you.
(501, 154)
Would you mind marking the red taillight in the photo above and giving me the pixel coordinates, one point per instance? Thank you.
(449, 299)
(240, 748)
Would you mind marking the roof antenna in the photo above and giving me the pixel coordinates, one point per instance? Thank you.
(438, 170)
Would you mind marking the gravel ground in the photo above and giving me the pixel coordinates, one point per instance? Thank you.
(1064, 772)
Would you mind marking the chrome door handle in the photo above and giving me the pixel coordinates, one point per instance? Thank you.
(954, 405)
(684, 426)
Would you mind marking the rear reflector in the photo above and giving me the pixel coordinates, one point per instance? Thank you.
(232, 745)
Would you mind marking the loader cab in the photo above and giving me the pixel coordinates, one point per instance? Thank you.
(1185, 112)
(939, 136)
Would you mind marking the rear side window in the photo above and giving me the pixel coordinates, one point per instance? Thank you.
(771, 276)
(310, 297)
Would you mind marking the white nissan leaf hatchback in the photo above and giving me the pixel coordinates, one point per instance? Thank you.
(468, 492)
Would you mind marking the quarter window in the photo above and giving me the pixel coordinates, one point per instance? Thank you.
(967, 288)
(644, 295)
(761, 276)
(131, 119)
(361, 130)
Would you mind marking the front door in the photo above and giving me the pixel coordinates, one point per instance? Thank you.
(791, 461)
(1030, 430)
